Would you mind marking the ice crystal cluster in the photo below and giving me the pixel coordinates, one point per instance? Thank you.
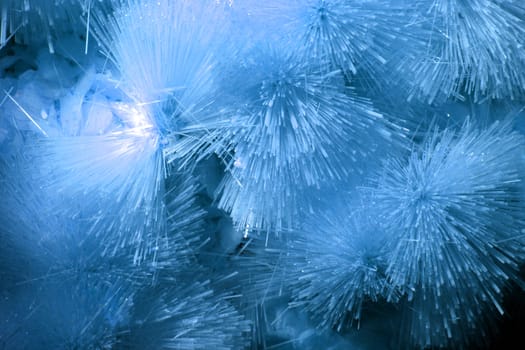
(281, 174)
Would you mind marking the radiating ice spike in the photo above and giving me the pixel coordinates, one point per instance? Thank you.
(33, 22)
(185, 316)
(291, 130)
(336, 265)
(443, 54)
(166, 53)
(453, 218)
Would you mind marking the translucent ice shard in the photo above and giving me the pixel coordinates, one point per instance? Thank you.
(44, 21)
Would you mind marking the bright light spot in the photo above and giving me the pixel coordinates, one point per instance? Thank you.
(238, 163)
(135, 119)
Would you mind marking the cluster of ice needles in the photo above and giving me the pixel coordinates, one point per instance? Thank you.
(279, 174)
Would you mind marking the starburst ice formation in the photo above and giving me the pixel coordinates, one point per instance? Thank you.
(122, 169)
(335, 264)
(166, 53)
(330, 34)
(91, 144)
(186, 316)
(136, 176)
(446, 54)
(453, 223)
(290, 131)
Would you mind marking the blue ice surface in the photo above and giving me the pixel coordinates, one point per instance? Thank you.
(286, 174)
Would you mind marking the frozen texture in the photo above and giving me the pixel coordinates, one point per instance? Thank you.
(336, 263)
(453, 223)
(197, 174)
(350, 36)
(45, 21)
(166, 54)
(122, 170)
(447, 55)
(291, 131)
(185, 317)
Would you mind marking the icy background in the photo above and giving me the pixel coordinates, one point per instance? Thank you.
(279, 174)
